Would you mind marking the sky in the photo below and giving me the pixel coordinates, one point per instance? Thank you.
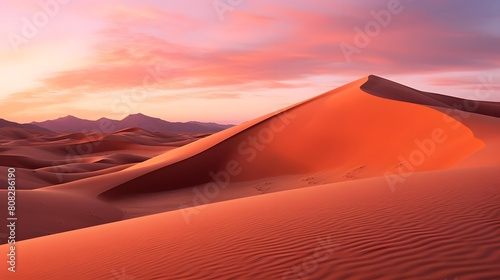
(229, 61)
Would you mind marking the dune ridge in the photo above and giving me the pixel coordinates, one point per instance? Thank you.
(372, 180)
(388, 89)
(316, 148)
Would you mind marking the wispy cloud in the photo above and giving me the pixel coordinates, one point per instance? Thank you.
(261, 45)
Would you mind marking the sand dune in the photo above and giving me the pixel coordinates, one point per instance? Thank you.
(372, 180)
(41, 212)
(46, 159)
(387, 89)
(322, 134)
(330, 146)
(352, 230)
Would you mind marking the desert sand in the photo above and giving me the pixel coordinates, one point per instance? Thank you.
(372, 180)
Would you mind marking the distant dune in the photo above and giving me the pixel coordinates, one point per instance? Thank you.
(46, 159)
(372, 180)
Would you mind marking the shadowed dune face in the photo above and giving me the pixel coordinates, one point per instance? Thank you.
(388, 89)
(346, 132)
(44, 213)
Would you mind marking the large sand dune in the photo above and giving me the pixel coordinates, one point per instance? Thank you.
(372, 180)
(346, 132)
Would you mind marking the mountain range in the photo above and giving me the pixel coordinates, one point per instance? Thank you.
(32, 127)
(74, 124)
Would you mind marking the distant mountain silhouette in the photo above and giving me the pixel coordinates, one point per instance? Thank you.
(74, 124)
(30, 127)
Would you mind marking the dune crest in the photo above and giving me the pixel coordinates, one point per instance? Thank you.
(323, 134)
(370, 180)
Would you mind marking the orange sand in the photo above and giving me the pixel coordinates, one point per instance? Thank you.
(372, 180)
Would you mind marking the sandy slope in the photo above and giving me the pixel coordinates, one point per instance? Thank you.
(40, 213)
(407, 191)
(344, 134)
(46, 159)
(346, 131)
(352, 230)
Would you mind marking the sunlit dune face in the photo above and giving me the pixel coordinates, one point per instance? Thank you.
(346, 133)
(335, 138)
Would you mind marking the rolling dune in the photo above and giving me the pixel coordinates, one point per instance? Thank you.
(344, 134)
(352, 230)
(372, 180)
(48, 159)
(55, 158)
(326, 133)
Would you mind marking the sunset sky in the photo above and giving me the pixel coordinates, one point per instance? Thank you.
(232, 60)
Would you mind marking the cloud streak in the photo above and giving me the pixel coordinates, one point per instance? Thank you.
(269, 45)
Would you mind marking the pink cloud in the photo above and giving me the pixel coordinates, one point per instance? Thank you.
(265, 44)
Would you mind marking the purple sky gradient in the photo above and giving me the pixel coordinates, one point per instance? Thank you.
(184, 60)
